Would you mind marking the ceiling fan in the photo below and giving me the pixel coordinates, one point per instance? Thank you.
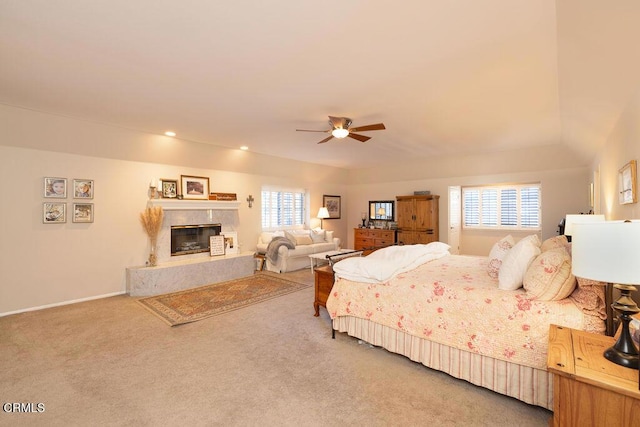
(340, 129)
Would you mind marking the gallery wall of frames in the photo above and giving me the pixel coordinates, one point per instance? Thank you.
(57, 190)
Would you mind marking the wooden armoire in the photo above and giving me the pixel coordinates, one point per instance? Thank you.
(417, 219)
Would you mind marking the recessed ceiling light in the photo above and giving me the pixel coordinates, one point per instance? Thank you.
(170, 133)
(244, 147)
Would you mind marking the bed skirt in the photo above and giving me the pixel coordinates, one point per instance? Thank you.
(530, 385)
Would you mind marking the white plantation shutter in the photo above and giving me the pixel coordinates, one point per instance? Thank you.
(283, 208)
(512, 207)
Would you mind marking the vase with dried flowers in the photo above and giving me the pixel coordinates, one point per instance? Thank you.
(151, 220)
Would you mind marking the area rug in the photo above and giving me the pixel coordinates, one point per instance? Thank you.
(195, 304)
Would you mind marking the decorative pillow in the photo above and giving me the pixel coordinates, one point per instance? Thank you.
(497, 254)
(589, 297)
(328, 236)
(303, 239)
(291, 237)
(555, 242)
(266, 237)
(534, 239)
(549, 277)
(317, 236)
(515, 264)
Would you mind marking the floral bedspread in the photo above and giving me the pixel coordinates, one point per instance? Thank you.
(453, 301)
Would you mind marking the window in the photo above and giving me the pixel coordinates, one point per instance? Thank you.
(283, 208)
(514, 207)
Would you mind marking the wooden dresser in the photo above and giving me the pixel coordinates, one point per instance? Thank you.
(589, 390)
(418, 219)
(370, 239)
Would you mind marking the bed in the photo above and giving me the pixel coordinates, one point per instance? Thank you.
(453, 313)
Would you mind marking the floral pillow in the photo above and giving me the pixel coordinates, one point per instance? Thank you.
(555, 242)
(549, 276)
(497, 254)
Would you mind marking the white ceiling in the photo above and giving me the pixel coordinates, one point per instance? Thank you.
(444, 76)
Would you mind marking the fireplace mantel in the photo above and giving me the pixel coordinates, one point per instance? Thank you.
(188, 205)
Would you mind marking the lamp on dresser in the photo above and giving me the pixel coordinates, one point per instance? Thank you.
(609, 252)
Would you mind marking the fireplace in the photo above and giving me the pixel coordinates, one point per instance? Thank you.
(192, 239)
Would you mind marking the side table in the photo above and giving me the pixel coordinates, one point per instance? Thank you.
(589, 390)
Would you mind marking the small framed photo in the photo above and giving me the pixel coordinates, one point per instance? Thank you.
(627, 181)
(230, 242)
(332, 203)
(169, 188)
(216, 245)
(55, 187)
(83, 212)
(83, 189)
(54, 213)
(194, 187)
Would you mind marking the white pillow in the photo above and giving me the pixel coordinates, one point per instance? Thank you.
(317, 236)
(291, 237)
(497, 254)
(328, 236)
(515, 264)
(266, 237)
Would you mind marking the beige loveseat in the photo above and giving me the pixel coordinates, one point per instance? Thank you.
(306, 242)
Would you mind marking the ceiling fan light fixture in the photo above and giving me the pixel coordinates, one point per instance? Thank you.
(340, 133)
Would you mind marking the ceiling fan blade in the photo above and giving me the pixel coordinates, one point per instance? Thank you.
(309, 130)
(360, 138)
(326, 139)
(377, 126)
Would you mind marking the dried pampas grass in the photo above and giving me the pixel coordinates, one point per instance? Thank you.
(151, 220)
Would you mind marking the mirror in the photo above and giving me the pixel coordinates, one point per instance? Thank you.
(381, 210)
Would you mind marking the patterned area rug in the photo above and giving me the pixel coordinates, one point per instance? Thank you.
(195, 304)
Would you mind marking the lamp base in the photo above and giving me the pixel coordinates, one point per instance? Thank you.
(624, 351)
(620, 358)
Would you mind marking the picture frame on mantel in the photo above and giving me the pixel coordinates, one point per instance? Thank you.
(332, 203)
(230, 242)
(194, 187)
(627, 183)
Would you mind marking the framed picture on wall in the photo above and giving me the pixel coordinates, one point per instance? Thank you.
(332, 203)
(55, 187)
(83, 189)
(54, 213)
(82, 212)
(194, 187)
(627, 181)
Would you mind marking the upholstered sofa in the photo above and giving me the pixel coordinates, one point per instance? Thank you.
(306, 242)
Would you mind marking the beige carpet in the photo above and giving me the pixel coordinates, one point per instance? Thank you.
(110, 363)
(191, 305)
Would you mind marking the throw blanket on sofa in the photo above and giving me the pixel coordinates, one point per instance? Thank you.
(274, 245)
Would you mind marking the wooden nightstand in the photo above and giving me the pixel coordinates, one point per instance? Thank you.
(589, 390)
(324, 283)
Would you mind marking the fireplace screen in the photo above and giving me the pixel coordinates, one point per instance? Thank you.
(192, 239)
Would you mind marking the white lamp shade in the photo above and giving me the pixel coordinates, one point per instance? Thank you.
(323, 213)
(607, 251)
(570, 220)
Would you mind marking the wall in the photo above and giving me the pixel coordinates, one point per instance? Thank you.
(48, 264)
(564, 187)
(623, 145)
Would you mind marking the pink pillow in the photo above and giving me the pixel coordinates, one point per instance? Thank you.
(497, 254)
(555, 242)
(549, 276)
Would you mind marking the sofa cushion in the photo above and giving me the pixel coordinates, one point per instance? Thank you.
(329, 236)
(318, 236)
(303, 239)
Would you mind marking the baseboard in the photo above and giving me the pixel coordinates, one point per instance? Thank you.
(58, 304)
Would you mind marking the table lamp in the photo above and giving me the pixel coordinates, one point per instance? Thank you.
(572, 219)
(322, 214)
(363, 215)
(609, 252)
